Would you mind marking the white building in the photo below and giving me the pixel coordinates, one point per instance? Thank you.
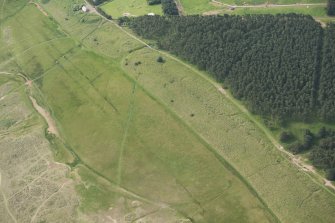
(84, 8)
(151, 14)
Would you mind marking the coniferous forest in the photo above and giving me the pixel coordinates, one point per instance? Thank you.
(281, 66)
(327, 78)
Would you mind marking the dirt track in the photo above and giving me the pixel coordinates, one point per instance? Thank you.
(46, 115)
(39, 8)
(268, 5)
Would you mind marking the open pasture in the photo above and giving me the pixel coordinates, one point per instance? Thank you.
(197, 6)
(208, 7)
(149, 136)
(122, 134)
(315, 11)
(278, 2)
(119, 8)
(234, 136)
(170, 84)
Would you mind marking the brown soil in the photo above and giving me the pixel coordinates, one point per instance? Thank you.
(46, 115)
(39, 8)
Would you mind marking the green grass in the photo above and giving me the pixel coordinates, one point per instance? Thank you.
(233, 135)
(280, 2)
(9, 8)
(203, 6)
(316, 11)
(197, 6)
(134, 133)
(117, 8)
(120, 132)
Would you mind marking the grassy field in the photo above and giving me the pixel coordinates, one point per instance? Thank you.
(239, 140)
(197, 6)
(117, 8)
(209, 8)
(168, 82)
(316, 11)
(151, 141)
(279, 2)
(118, 132)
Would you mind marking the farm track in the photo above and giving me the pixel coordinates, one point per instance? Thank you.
(5, 201)
(46, 115)
(290, 157)
(6, 206)
(46, 200)
(125, 134)
(222, 7)
(39, 8)
(2, 13)
(269, 5)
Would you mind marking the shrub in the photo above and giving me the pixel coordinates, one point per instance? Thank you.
(160, 59)
(296, 148)
(286, 136)
(308, 139)
(154, 2)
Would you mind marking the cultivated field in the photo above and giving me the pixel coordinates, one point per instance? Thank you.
(147, 141)
(118, 8)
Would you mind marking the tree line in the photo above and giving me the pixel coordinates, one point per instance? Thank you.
(327, 79)
(169, 7)
(281, 66)
(96, 2)
(331, 7)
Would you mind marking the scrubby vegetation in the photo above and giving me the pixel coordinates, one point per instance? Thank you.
(96, 2)
(273, 63)
(319, 147)
(323, 150)
(154, 2)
